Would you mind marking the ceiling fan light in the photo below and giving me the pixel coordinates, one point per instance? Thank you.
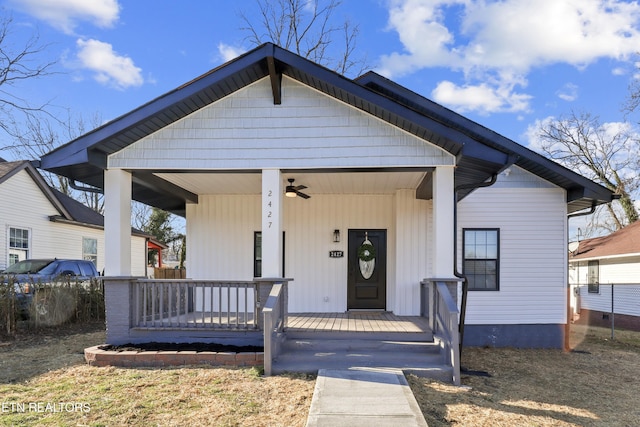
(290, 192)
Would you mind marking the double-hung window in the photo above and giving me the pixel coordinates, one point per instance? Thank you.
(90, 249)
(482, 258)
(18, 244)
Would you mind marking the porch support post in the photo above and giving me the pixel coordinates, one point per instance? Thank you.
(117, 222)
(443, 221)
(272, 195)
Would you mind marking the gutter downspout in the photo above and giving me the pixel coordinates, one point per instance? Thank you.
(465, 281)
(72, 184)
(567, 326)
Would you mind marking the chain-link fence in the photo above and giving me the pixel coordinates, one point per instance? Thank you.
(608, 305)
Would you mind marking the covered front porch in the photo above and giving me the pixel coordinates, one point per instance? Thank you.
(255, 313)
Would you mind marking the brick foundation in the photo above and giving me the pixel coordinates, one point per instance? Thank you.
(599, 318)
(157, 359)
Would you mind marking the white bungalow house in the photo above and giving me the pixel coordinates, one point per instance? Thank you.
(604, 274)
(402, 191)
(40, 222)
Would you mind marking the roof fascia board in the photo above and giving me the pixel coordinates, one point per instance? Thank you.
(142, 113)
(521, 151)
(332, 78)
(46, 190)
(604, 257)
(17, 168)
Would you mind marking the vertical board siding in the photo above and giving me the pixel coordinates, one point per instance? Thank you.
(533, 272)
(220, 236)
(30, 209)
(413, 259)
(309, 129)
(220, 244)
(320, 282)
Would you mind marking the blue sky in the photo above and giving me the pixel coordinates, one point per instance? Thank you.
(507, 65)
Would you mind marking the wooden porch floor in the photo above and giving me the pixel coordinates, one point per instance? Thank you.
(370, 321)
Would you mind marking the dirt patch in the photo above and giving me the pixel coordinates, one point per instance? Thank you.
(194, 346)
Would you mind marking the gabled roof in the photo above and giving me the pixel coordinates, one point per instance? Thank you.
(9, 169)
(480, 152)
(625, 241)
(69, 209)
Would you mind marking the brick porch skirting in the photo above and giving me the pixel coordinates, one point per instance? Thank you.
(157, 359)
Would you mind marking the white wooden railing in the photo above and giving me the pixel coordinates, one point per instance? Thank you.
(443, 314)
(193, 304)
(275, 314)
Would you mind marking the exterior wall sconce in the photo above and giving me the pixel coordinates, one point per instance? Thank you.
(336, 236)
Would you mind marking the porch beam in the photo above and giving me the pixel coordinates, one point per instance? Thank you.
(276, 80)
(272, 198)
(117, 222)
(443, 221)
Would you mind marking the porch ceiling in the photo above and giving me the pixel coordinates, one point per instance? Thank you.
(317, 182)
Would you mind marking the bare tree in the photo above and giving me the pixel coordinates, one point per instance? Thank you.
(18, 64)
(38, 135)
(306, 27)
(607, 154)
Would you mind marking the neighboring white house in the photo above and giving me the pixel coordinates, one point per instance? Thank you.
(595, 264)
(382, 165)
(41, 222)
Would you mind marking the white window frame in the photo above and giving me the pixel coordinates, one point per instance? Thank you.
(10, 249)
(93, 257)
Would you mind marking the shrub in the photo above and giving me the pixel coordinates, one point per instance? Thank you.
(56, 303)
(8, 308)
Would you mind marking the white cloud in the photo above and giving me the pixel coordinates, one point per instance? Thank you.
(482, 98)
(108, 67)
(619, 71)
(568, 92)
(65, 14)
(228, 52)
(508, 38)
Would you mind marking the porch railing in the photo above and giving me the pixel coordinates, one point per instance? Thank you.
(274, 313)
(441, 309)
(193, 304)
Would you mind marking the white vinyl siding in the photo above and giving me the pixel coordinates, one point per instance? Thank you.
(533, 272)
(24, 206)
(309, 129)
(220, 230)
(31, 209)
(619, 270)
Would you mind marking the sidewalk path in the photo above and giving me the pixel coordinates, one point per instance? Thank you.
(363, 397)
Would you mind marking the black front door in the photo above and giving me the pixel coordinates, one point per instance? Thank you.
(367, 283)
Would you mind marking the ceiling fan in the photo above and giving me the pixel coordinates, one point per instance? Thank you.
(293, 191)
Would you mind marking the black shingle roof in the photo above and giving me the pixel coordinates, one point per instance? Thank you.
(480, 152)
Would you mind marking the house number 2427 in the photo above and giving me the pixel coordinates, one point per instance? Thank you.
(268, 209)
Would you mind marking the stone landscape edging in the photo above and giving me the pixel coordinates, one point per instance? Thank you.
(94, 356)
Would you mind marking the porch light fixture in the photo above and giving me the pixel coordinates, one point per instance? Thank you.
(336, 236)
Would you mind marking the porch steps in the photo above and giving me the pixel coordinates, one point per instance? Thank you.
(411, 353)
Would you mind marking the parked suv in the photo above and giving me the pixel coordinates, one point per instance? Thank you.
(28, 274)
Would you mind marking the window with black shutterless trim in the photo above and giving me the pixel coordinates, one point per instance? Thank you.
(482, 258)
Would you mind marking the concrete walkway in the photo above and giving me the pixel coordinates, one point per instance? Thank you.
(363, 397)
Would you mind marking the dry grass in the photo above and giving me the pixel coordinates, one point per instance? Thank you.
(45, 370)
(596, 385)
